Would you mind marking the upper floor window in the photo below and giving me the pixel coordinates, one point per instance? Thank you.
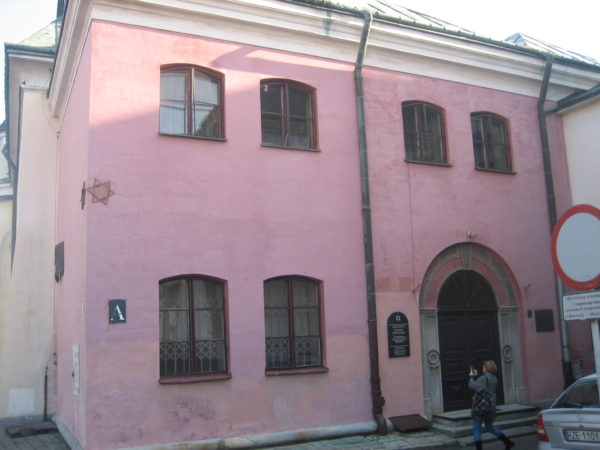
(192, 327)
(287, 114)
(292, 323)
(191, 102)
(490, 142)
(424, 133)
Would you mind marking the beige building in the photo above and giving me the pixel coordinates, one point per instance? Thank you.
(6, 201)
(581, 115)
(582, 137)
(27, 235)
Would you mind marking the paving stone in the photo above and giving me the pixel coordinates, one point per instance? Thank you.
(46, 441)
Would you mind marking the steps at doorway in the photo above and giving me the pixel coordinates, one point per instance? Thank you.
(514, 420)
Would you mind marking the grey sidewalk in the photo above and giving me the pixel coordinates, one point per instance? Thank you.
(50, 441)
(392, 441)
(423, 440)
(525, 438)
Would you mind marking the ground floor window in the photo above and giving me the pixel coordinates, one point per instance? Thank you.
(192, 327)
(293, 334)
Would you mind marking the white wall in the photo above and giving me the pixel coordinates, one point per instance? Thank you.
(26, 309)
(582, 136)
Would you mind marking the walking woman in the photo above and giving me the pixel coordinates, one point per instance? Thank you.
(481, 384)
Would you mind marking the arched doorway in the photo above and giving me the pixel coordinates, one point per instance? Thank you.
(468, 334)
(455, 276)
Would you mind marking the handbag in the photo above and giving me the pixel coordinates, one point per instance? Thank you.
(483, 402)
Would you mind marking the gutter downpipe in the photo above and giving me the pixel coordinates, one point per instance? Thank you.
(377, 399)
(551, 198)
(15, 187)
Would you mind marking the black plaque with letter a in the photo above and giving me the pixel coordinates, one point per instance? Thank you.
(398, 339)
(117, 311)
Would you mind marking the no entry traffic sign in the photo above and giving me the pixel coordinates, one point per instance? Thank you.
(576, 247)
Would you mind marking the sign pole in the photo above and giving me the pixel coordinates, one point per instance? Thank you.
(596, 343)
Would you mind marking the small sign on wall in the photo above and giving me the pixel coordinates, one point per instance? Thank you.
(398, 338)
(117, 311)
(544, 320)
(59, 261)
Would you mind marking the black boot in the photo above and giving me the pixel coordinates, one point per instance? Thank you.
(477, 445)
(507, 442)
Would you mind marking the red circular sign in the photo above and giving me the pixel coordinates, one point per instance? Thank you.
(576, 247)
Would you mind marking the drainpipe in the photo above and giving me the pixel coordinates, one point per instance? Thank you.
(551, 199)
(15, 181)
(46, 395)
(377, 399)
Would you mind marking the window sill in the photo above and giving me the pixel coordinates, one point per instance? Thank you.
(505, 172)
(306, 371)
(202, 138)
(428, 163)
(195, 379)
(283, 147)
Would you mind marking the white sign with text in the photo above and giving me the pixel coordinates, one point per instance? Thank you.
(581, 306)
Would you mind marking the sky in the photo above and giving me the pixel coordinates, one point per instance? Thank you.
(572, 25)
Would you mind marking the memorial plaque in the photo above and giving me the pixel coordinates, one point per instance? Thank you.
(59, 261)
(398, 339)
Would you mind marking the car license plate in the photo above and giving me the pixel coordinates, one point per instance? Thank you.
(581, 435)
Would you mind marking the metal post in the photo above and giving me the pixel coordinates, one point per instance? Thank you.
(596, 342)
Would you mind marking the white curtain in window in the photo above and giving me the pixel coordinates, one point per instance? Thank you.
(205, 110)
(173, 115)
(206, 89)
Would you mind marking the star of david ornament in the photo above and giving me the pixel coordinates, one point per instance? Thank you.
(100, 191)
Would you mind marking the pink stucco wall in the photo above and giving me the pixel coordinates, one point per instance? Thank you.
(419, 210)
(71, 292)
(245, 213)
(233, 210)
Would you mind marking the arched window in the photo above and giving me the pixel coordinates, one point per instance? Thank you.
(424, 133)
(191, 102)
(293, 335)
(491, 143)
(193, 335)
(287, 114)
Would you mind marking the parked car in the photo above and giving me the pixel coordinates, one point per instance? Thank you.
(573, 420)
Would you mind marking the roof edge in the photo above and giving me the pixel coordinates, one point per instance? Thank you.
(335, 6)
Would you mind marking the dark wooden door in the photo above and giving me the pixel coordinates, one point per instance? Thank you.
(468, 333)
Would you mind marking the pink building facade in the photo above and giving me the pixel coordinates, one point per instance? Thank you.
(214, 271)
(231, 210)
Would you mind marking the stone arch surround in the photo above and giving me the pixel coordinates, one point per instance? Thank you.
(475, 257)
